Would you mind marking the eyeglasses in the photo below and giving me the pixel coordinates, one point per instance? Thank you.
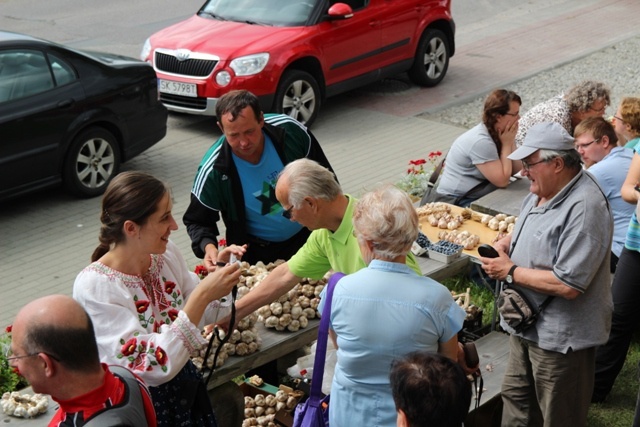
(599, 110)
(526, 166)
(9, 355)
(287, 212)
(586, 144)
(513, 114)
(618, 118)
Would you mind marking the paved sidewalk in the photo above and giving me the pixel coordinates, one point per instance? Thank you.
(369, 136)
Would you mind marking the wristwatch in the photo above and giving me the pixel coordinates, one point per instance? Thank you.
(509, 279)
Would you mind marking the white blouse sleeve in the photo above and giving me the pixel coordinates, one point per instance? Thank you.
(126, 332)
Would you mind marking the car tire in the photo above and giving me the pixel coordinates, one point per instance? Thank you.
(432, 59)
(92, 161)
(298, 96)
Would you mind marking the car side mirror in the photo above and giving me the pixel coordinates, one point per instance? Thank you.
(340, 11)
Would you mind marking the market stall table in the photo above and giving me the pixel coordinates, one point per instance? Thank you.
(504, 200)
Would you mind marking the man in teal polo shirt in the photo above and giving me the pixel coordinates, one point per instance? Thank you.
(310, 195)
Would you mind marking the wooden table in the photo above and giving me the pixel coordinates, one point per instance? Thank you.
(503, 200)
(493, 351)
(274, 345)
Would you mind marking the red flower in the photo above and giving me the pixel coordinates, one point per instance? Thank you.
(201, 271)
(161, 356)
(169, 286)
(222, 242)
(8, 329)
(142, 306)
(129, 347)
(156, 326)
(173, 314)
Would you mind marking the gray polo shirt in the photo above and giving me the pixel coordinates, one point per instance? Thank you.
(461, 174)
(571, 236)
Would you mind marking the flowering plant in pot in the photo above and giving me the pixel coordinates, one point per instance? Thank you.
(10, 380)
(416, 180)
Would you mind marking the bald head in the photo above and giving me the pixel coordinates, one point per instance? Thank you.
(59, 326)
(60, 310)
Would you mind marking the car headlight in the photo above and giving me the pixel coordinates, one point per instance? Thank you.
(223, 78)
(146, 50)
(250, 64)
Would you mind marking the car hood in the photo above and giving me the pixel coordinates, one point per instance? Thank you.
(110, 58)
(222, 38)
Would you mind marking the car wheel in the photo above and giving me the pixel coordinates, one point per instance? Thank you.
(298, 96)
(92, 161)
(431, 60)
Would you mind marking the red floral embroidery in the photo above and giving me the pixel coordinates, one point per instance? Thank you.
(142, 306)
(222, 242)
(138, 364)
(8, 329)
(173, 314)
(161, 356)
(129, 347)
(169, 286)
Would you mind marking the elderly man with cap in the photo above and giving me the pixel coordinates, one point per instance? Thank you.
(559, 248)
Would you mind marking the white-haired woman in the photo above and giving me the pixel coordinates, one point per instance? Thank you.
(384, 311)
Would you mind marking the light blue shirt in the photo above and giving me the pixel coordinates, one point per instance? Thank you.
(380, 313)
(262, 209)
(633, 232)
(610, 172)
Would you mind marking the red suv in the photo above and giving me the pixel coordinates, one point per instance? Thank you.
(295, 53)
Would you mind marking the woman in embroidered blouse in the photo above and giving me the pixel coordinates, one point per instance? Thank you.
(143, 300)
(384, 311)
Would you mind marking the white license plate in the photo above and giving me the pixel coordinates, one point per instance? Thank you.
(178, 88)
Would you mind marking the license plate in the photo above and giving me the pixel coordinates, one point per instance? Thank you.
(178, 88)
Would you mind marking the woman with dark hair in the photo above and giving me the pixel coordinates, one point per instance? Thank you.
(145, 304)
(477, 161)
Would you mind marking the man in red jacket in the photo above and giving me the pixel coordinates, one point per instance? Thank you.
(54, 347)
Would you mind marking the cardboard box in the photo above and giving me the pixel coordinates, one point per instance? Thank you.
(283, 417)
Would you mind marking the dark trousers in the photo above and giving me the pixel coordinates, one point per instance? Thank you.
(626, 298)
(262, 250)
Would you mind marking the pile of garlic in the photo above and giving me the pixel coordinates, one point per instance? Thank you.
(24, 405)
(244, 340)
(501, 223)
(432, 208)
(294, 309)
(260, 410)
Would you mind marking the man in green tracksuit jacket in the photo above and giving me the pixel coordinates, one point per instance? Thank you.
(236, 180)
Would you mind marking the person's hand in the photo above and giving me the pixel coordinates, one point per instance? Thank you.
(497, 268)
(508, 136)
(210, 257)
(462, 361)
(220, 282)
(502, 245)
(225, 254)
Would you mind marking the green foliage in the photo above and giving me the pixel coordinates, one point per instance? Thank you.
(481, 296)
(9, 380)
(619, 408)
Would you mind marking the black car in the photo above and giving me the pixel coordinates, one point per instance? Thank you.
(71, 116)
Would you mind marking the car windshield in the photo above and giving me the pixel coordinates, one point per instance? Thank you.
(281, 13)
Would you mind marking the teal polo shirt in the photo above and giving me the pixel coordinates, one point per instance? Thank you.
(326, 250)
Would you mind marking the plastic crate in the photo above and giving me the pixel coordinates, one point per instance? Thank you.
(444, 251)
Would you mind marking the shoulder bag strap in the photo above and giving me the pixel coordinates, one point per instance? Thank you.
(436, 173)
(321, 346)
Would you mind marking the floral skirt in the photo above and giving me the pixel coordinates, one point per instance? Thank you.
(183, 401)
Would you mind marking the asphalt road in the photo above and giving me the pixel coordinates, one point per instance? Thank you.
(47, 238)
